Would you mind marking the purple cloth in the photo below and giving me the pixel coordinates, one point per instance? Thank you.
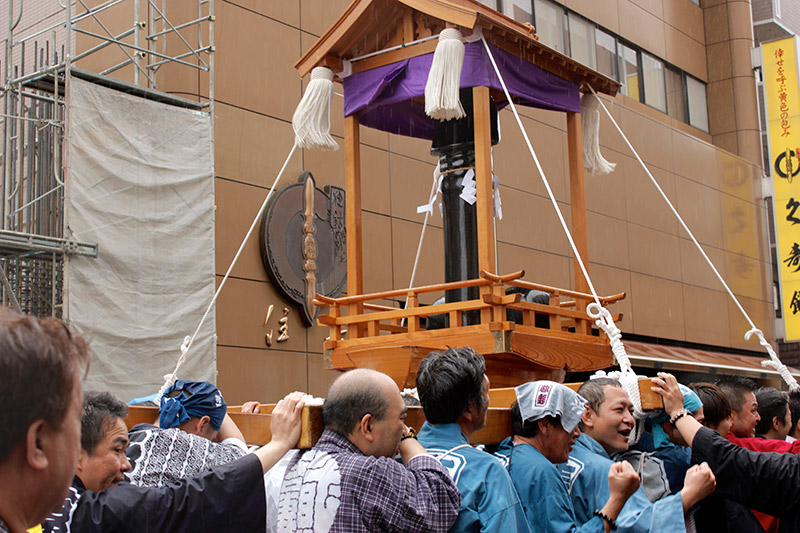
(334, 487)
(383, 96)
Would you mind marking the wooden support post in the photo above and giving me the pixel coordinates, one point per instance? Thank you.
(373, 328)
(577, 191)
(408, 26)
(555, 320)
(352, 166)
(335, 330)
(413, 321)
(483, 185)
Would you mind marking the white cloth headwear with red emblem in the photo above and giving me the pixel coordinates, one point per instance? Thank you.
(538, 399)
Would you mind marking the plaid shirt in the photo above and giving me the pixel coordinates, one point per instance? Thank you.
(334, 487)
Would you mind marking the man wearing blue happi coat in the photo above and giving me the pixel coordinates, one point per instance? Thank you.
(545, 421)
(606, 425)
(454, 392)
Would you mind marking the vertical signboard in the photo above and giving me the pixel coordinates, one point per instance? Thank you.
(783, 118)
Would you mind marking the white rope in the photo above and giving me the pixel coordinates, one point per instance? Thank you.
(604, 320)
(188, 341)
(774, 361)
(626, 376)
(428, 209)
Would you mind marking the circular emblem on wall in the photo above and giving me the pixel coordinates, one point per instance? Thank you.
(303, 242)
(787, 164)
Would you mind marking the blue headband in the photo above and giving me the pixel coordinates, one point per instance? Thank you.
(691, 402)
(193, 399)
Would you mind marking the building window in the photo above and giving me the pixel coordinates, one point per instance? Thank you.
(581, 40)
(490, 3)
(606, 53)
(676, 96)
(519, 10)
(698, 105)
(628, 71)
(644, 77)
(653, 74)
(550, 24)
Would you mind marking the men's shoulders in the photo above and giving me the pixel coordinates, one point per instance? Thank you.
(159, 456)
(205, 501)
(586, 458)
(312, 490)
(460, 459)
(143, 427)
(532, 473)
(343, 490)
(537, 467)
(61, 521)
(494, 496)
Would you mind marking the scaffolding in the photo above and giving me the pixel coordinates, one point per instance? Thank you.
(127, 45)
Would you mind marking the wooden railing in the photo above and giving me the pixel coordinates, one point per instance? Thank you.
(365, 318)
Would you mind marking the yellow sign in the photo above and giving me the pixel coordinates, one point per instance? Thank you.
(783, 118)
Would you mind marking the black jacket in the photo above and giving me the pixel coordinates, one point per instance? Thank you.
(766, 482)
(226, 498)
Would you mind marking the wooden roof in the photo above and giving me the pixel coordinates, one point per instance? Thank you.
(369, 26)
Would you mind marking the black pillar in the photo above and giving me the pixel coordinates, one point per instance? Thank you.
(454, 143)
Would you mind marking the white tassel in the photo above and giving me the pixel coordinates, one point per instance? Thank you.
(442, 101)
(312, 118)
(593, 160)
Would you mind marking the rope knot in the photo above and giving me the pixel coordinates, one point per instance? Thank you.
(187, 341)
(773, 361)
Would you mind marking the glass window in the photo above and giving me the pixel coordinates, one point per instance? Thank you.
(628, 71)
(605, 53)
(550, 24)
(581, 40)
(698, 105)
(653, 74)
(519, 10)
(676, 102)
(490, 3)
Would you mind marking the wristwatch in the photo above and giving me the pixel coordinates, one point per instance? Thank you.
(410, 434)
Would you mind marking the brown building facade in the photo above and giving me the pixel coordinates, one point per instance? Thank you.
(688, 106)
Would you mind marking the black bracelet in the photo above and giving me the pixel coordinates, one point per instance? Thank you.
(677, 416)
(611, 521)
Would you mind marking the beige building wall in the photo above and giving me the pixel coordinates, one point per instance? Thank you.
(636, 245)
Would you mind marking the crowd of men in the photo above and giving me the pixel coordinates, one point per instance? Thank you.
(68, 462)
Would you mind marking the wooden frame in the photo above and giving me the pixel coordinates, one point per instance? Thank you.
(393, 340)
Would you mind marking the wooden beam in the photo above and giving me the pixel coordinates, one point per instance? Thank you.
(394, 56)
(577, 190)
(352, 169)
(256, 427)
(483, 178)
(504, 397)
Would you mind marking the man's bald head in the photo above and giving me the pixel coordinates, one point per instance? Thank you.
(354, 394)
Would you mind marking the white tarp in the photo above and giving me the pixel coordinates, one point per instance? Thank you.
(141, 185)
